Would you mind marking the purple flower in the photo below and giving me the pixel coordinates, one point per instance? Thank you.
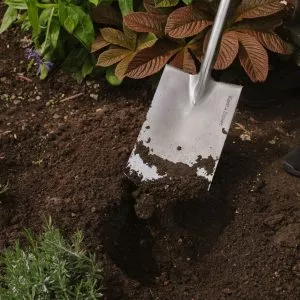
(48, 65)
(32, 54)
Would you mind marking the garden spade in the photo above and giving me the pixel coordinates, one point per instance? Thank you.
(188, 121)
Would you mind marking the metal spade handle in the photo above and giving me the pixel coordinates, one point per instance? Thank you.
(204, 76)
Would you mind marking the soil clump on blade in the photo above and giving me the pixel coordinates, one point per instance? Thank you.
(178, 182)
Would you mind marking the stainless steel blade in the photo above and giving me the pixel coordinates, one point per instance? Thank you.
(179, 131)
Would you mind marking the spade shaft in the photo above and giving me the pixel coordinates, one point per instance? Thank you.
(202, 84)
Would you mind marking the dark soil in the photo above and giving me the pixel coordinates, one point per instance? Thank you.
(67, 159)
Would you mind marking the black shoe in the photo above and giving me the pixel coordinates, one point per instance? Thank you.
(291, 162)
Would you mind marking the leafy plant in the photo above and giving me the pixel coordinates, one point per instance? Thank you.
(182, 35)
(57, 26)
(138, 37)
(50, 268)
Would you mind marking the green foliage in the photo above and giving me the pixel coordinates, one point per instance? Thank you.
(10, 16)
(50, 268)
(57, 26)
(182, 30)
(136, 38)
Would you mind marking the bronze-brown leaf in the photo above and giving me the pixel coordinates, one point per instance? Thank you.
(98, 44)
(183, 23)
(146, 22)
(228, 49)
(112, 56)
(122, 66)
(253, 57)
(115, 37)
(151, 60)
(183, 60)
(249, 9)
(272, 42)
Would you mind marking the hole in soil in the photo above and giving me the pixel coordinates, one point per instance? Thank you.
(129, 243)
(190, 229)
(203, 221)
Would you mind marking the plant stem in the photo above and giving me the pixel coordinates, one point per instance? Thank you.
(45, 5)
(47, 32)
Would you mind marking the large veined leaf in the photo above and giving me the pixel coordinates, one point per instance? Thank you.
(253, 57)
(146, 40)
(130, 37)
(98, 44)
(122, 66)
(272, 42)
(112, 56)
(183, 23)
(151, 60)
(106, 14)
(117, 54)
(114, 36)
(266, 24)
(228, 49)
(204, 9)
(183, 60)
(249, 9)
(146, 22)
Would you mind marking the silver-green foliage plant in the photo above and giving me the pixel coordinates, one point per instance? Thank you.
(50, 268)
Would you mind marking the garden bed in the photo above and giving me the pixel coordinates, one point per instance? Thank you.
(65, 156)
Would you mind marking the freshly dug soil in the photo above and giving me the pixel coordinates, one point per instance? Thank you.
(66, 157)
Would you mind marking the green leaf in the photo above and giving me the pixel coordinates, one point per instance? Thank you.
(95, 2)
(68, 16)
(166, 3)
(54, 32)
(10, 16)
(187, 2)
(44, 17)
(33, 15)
(84, 32)
(17, 4)
(77, 22)
(87, 68)
(43, 72)
(111, 77)
(126, 7)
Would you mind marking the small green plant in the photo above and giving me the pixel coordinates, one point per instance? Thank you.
(50, 268)
(3, 188)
